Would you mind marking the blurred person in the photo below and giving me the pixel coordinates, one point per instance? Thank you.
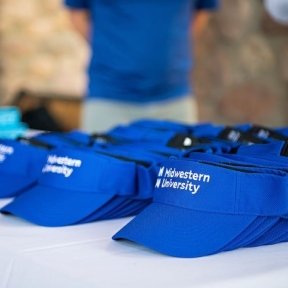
(141, 58)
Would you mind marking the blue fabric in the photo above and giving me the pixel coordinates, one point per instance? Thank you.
(265, 230)
(162, 137)
(140, 49)
(181, 232)
(55, 139)
(167, 125)
(283, 236)
(77, 178)
(145, 179)
(77, 4)
(271, 151)
(230, 208)
(79, 185)
(240, 160)
(233, 197)
(276, 234)
(261, 226)
(160, 133)
(205, 4)
(20, 166)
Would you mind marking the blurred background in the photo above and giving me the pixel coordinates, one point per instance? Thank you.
(240, 73)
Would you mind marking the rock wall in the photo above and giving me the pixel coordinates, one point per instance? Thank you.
(38, 49)
(241, 66)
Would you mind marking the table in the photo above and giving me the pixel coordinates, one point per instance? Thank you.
(85, 256)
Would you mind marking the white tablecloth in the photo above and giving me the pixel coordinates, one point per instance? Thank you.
(85, 256)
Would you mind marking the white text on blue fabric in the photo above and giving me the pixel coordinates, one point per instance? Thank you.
(4, 151)
(172, 178)
(61, 165)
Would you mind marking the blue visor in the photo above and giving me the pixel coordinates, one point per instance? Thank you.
(199, 208)
(240, 161)
(20, 166)
(70, 139)
(271, 151)
(146, 173)
(265, 132)
(264, 230)
(79, 186)
(167, 125)
(171, 143)
(203, 137)
(134, 134)
(261, 226)
(160, 132)
(72, 185)
(276, 234)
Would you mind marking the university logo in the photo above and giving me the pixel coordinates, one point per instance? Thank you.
(186, 180)
(160, 174)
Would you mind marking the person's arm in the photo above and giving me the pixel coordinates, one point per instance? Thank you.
(203, 9)
(200, 21)
(78, 11)
(80, 20)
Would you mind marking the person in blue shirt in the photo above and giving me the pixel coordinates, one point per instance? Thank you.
(140, 58)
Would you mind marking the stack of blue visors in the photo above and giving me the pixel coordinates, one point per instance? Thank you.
(22, 160)
(80, 183)
(79, 186)
(10, 124)
(207, 206)
(73, 178)
(46, 169)
(157, 135)
(218, 202)
(20, 166)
